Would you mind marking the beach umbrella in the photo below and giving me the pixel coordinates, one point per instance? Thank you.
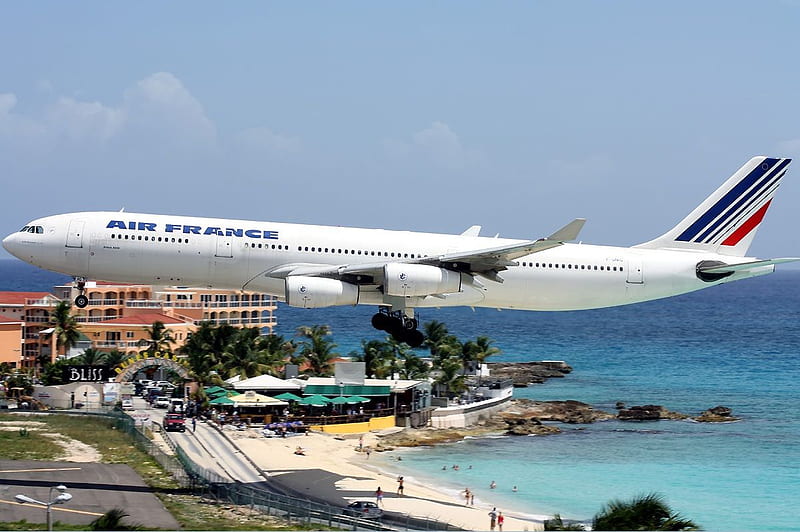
(340, 400)
(223, 400)
(357, 399)
(288, 396)
(315, 400)
(256, 399)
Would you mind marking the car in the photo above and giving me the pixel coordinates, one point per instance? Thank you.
(367, 509)
(127, 404)
(161, 402)
(173, 422)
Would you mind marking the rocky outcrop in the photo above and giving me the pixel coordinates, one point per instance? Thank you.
(525, 373)
(647, 413)
(561, 411)
(718, 414)
(529, 427)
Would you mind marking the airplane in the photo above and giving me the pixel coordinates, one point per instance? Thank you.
(314, 266)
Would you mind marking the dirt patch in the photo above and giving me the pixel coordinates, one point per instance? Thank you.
(74, 450)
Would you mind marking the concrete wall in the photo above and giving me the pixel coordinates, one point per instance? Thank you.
(460, 416)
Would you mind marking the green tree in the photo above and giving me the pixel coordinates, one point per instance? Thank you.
(276, 352)
(90, 357)
(374, 354)
(643, 512)
(242, 356)
(450, 376)
(65, 327)
(159, 338)
(316, 349)
(204, 350)
(115, 357)
(113, 520)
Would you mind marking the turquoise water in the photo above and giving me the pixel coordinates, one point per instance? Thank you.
(734, 345)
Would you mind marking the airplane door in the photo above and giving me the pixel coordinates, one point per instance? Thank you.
(635, 273)
(224, 246)
(75, 234)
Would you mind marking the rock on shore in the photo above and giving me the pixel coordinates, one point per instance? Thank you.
(718, 414)
(526, 373)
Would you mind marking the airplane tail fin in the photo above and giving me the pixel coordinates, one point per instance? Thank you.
(726, 222)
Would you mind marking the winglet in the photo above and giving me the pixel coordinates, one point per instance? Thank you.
(475, 230)
(568, 232)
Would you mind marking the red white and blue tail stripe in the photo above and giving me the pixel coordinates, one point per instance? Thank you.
(726, 222)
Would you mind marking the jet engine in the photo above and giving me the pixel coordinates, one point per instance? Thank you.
(419, 280)
(317, 292)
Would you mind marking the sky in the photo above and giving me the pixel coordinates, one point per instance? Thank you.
(430, 116)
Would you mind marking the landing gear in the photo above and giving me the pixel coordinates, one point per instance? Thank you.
(81, 300)
(402, 328)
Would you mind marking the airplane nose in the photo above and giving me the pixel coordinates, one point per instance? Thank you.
(10, 243)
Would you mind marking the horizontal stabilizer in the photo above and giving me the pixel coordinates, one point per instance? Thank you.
(569, 232)
(726, 268)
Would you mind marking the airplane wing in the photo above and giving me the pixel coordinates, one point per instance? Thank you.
(486, 262)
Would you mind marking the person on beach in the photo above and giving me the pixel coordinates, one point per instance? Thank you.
(400, 485)
(466, 496)
(492, 485)
(194, 424)
(472, 499)
(368, 450)
(500, 520)
(493, 519)
(379, 496)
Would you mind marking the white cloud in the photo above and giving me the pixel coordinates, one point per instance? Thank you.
(442, 145)
(84, 121)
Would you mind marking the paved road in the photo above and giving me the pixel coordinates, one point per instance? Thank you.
(95, 489)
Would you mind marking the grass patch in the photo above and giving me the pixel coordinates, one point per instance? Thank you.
(33, 446)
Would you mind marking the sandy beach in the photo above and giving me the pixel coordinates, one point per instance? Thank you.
(332, 468)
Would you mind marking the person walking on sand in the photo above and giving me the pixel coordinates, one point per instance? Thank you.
(379, 496)
(194, 424)
(400, 485)
(500, 520)
(492, 518)
(466, 496)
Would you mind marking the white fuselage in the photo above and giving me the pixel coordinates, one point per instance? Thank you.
(236, 254)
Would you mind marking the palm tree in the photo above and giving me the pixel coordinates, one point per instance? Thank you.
(115, 357)
(317, 349)
(413, 367)
(112, 520)
(242, 356)
(159, 338)
(450, 376)
(482, 349)
(90, 357)
(643, 512)
(65, 327)
(276, 352)
(435, 334)
(204, 349)
(374, 354)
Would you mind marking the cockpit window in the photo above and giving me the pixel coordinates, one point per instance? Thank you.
(24, 229)
(38, 229)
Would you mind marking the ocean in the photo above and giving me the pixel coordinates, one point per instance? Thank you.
(734, 345)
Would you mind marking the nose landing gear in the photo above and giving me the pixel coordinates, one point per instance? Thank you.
(81, 300)
(402, 328)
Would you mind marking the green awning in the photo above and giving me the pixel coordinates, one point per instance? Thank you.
(348, 389)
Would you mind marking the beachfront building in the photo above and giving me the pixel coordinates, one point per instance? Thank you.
(119, 314)
(33, 310)
(11, 340)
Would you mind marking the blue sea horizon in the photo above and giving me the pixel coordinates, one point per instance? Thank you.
(734, 345)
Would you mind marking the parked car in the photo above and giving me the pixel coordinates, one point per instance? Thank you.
(127, 404)
(161, 402)
(174, 422)
(176, 405)
(366, 509)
